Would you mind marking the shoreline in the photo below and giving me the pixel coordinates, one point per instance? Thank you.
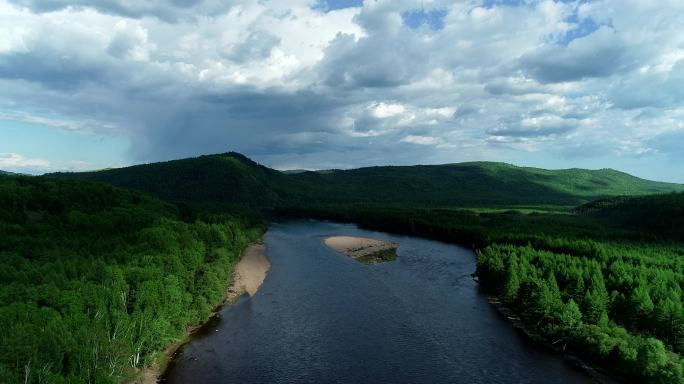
(248, 275)
(569, 357)
(363, 249)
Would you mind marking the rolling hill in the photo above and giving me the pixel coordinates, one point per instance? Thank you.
(228, 178)
(235, 179)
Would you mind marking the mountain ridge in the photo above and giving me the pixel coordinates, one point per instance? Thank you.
(236, 179)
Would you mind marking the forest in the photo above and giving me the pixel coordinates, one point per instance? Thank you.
(97, 280)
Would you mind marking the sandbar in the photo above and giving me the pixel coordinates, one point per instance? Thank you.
(363, 249)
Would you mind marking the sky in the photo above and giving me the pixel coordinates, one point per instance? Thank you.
(313, 84)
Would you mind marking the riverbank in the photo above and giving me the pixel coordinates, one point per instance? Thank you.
(363, 249)
(577, 362)
(248, 275)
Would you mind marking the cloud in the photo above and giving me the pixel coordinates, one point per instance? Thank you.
(533, 126)
(169, 11)
(670, 143)
(431, 141)
(371, 63)
(15, 161)
(599, 54)
(653, 86)
(351, 83)
(257, 45)
(130, 42)
(65, 124)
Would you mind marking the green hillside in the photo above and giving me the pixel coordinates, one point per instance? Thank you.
(474, 184)
(227, 178)
(233, 178)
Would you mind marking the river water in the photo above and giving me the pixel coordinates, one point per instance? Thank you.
(321, 317)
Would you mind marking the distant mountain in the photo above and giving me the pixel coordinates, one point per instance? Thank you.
(6, 173)
(479, 183)
(227, 178)
(233, 178)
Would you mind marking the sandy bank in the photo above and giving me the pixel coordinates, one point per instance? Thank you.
(248, 275)
(250, 272)
(368, 251)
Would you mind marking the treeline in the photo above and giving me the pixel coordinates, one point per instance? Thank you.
(660, 214)
(622, 308)
(97, 280)
(607, 290)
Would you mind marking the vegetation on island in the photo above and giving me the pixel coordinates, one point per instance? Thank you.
(591, 261)
(380, 256)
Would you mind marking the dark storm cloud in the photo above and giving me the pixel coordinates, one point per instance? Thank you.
(250, 121)
(52, 69)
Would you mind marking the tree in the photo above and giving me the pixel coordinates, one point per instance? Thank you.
(512, 285)
(652, 361)
(570, 317)
(594, 307)
(640, 305)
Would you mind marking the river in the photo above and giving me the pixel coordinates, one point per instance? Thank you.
(321, 317)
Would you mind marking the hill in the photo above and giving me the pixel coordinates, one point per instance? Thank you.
(228, 178)
(233, 178)
(474, 184)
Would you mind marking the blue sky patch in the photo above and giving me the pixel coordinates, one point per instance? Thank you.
(61, 146)
(583, 28)
(416, 18)
(331, 5)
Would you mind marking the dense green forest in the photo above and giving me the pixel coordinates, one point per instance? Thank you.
(661, 214)
(96, 280)
(590, 260)
(233, 178)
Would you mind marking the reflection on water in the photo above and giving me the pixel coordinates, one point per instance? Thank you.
(321, 317)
